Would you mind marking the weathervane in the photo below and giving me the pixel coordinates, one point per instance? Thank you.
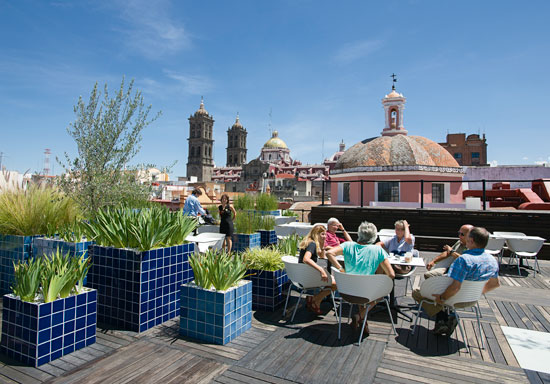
(393, 76)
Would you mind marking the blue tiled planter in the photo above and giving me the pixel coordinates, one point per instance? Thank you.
(12, 249)
(276, 212)
(138, 290)
(42, 246)
(267, 237)
(215, 317)
(242, 242)
(268, 288)
(37, 333)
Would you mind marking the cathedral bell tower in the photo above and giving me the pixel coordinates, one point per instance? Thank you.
(394, 104)
(200, 161)
(236, 144)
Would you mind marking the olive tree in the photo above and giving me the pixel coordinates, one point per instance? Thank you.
(107, 131)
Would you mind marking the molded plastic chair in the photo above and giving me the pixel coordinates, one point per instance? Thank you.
(525, 248)
(470, 291)
(495, 247)
(354, 289)
(303, 277)
(408, 274)
(385, 234)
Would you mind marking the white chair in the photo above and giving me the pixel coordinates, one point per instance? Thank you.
(470, 291)
(506, 235)
(408, 275)
(386, 234)
(207, 240)
(353, 288)
(303, 277)
(526, 248)
(495, 247)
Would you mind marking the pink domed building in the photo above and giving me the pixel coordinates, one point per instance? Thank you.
(386, 163)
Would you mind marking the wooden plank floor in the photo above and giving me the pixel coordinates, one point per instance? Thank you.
(308, 350)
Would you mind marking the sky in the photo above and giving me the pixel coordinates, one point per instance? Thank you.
(313, 70)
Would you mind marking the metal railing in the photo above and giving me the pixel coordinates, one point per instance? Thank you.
(422, 182)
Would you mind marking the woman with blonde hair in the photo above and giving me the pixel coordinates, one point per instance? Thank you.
(311, 250)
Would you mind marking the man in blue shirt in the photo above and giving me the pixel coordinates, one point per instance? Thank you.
(192, 206)
(473, 265)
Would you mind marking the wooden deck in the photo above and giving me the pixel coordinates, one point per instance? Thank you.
(308, 350)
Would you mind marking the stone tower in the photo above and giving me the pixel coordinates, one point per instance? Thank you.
(200, 161)
(236, 144)
(394, 104)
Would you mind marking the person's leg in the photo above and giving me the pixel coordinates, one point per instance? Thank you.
(229, 244)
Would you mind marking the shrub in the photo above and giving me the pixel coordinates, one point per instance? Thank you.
(140, 229)
(266, 202)
(35, 211)
(243, 202)
(266, 222)
(288, 212)
(217, 269)
(264, 259)
(246, 222)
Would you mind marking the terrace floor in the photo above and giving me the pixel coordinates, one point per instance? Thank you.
(308, 350)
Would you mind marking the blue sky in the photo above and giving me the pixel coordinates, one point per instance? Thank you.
(321, 67)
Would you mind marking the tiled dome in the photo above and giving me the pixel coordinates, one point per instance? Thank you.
(275, 141)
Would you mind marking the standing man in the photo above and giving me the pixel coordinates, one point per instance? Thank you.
(456, 250)
(192, 206)
(473, 265)
(332, 240)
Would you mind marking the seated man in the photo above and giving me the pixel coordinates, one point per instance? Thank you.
(456, 250)
(472, 265)
(362, 258)
(333, 240)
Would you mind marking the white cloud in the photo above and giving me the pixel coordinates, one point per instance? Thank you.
(150, 29)
(350, 52)
(494, 163)
(525, 158)
(191, 84)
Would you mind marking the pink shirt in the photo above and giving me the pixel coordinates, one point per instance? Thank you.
(332, 240)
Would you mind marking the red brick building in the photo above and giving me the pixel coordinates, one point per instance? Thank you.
(471, 150)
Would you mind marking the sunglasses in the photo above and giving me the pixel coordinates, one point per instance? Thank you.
(461, 234)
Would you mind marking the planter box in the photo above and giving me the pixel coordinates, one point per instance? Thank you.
(267, 237)
(215, 317)
(12, 249)
(285, 219)
(138, 290)
(241, 241)
(37, 333)
(268, 288)
(42, 246)
(276, 212)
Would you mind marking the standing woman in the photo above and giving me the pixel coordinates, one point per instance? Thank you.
(227, 215)
(312, 248)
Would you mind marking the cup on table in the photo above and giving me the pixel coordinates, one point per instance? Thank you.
(408, 257)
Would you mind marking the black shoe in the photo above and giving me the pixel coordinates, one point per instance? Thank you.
(451, 325)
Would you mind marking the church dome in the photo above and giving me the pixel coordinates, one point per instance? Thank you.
(399, 152)
(393, 94)
(275, 141)
(237, 123)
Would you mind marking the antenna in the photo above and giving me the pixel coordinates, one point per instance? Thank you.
(269, 126)
(1, 156)
(323, 151)
(47, 154)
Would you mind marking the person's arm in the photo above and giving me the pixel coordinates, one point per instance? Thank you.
(311, 263)
(442, 256)
(381, 244)
(408, 237)
(388, 270)
(449, 292)
(331, 255)
(344, 232)
(200, 208)
(492, 283)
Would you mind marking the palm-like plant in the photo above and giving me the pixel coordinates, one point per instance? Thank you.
(141, 229)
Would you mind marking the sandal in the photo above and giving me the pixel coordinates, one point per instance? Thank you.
(356, 323)
(310, 304)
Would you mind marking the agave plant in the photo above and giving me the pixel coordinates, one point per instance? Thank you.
(58, 278)
(264, 259)
(266, 202)
(35, 211)
(289, 245)
(141, 229)
(217, 269)
(27, 278)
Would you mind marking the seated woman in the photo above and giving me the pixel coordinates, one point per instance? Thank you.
(311, 249)
(401, 243)
(362, 258)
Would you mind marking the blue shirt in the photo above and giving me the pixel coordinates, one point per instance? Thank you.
(474, 265)
(362, 259)
(192, 206)
(398, 247)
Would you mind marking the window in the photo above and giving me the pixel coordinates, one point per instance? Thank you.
(475, 155)
(388, 191)
(458, 156)
(345, 192)
(438, 193)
